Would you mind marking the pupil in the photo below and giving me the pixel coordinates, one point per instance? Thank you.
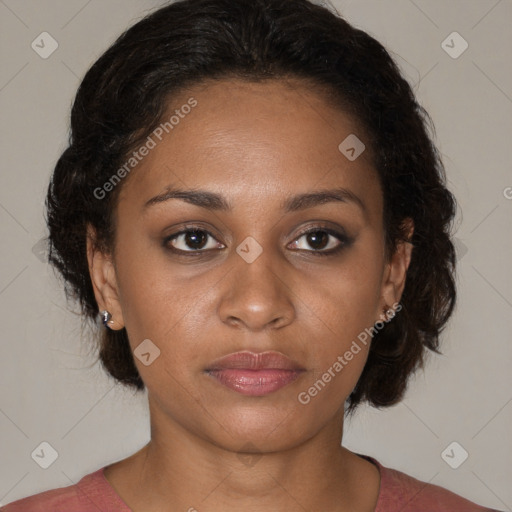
(318, 239)
(195, 239)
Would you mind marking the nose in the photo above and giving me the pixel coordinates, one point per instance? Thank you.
(257, 296)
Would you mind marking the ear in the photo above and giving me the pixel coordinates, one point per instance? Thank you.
(104, 283)
(395, 273)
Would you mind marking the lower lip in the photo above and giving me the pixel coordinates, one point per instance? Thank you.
(254, 382)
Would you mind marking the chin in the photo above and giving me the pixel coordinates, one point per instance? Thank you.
(267, 429)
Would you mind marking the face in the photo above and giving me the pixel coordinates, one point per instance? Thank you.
(248, 265)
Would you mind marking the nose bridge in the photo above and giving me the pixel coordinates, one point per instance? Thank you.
(258, 265)
(257, 294)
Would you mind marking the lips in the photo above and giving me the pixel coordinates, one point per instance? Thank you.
(254, 374)
(254, 361)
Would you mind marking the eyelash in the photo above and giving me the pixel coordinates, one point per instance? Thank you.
(344, 240)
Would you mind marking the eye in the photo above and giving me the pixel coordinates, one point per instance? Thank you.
(195, 240)
(192, 240)
(322, 240)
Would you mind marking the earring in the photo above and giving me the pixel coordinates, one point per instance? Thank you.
(106, 318)
(388, 312)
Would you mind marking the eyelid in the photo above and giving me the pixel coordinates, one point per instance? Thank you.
(321, 227)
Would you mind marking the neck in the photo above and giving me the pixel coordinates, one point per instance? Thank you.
(178, 470)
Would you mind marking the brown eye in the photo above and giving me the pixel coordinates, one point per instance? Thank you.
(195, 239)
(321, 241)
(318, 239)
(191, 240)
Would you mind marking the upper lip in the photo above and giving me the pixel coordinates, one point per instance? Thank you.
(254, 361)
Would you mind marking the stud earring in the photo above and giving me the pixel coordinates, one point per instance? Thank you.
(106, 318)
(388, 312)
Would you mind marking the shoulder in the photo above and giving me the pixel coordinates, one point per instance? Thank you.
(399, 491)
(92, 493)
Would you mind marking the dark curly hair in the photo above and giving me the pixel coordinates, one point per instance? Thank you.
(124, 95)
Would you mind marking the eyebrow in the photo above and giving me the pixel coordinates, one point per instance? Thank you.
(216, 202)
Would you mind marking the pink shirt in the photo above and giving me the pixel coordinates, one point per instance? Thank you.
(398, 492)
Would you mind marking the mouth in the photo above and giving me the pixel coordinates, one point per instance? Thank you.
(254, 374)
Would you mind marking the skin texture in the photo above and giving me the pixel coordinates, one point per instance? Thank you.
(211, 448)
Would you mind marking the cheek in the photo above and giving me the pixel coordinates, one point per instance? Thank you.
(153, 292)
(158, 306)
(346, 297)
(340, 309)
(162, 303)
(340, 341)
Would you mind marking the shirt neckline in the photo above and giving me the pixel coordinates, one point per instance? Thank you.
(115, 496)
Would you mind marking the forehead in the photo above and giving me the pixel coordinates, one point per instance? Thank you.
(257, 141)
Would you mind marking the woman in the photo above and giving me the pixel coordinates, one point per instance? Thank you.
(253, 206)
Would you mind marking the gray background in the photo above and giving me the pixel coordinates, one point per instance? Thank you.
(51, 388)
